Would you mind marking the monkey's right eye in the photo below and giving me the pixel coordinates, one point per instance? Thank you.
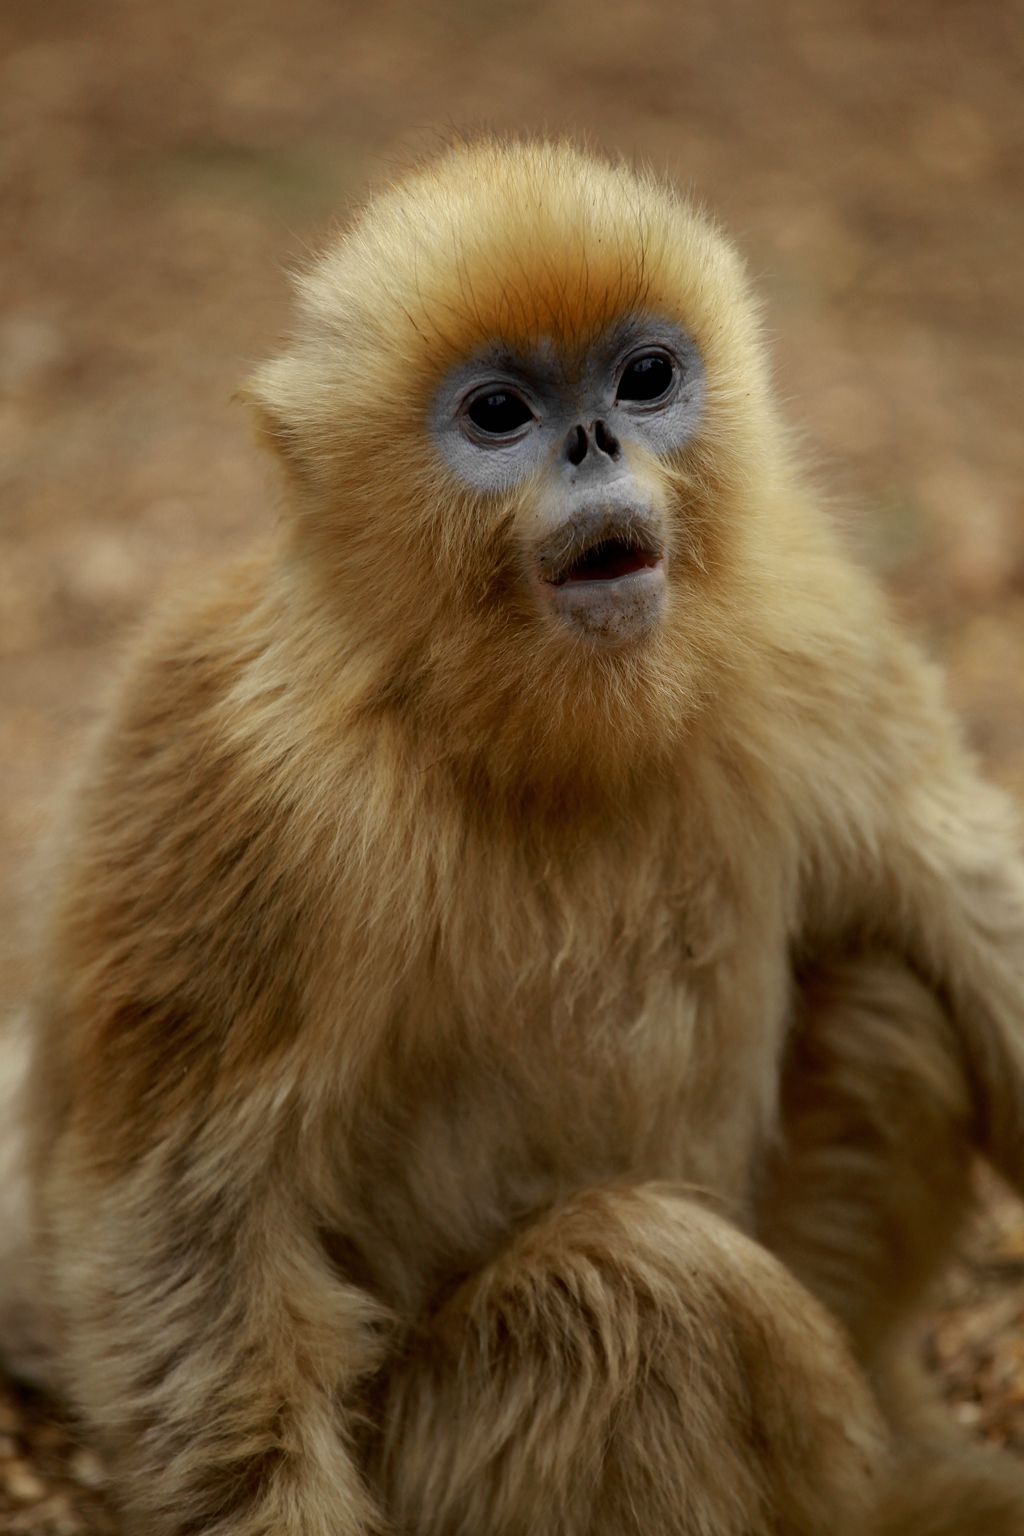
(499, 413)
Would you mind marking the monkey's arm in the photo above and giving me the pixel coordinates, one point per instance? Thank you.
(900, 846)
(207, 1342)
(177, 1124)
(956, 898)
(908, 1036)
(914, 854)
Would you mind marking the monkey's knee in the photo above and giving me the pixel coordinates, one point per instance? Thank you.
(631, 1362)
(873, 1174)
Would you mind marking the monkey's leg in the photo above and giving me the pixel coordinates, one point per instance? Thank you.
(630, 1363)
(869, 1187)
(212, 1350)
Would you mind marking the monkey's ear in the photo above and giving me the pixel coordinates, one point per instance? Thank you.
(272, 432)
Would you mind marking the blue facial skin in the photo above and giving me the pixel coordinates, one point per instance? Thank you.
(592, 535)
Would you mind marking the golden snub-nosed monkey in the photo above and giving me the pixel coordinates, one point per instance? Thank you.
(529, 958)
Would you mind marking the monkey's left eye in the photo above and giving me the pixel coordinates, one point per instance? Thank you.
(646, 378)
(499, 413)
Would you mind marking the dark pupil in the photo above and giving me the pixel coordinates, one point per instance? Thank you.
(645, 378)
(499, 413)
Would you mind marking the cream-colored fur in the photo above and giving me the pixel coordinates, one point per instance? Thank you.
(421, 985)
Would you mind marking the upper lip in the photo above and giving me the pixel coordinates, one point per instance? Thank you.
(620, 529)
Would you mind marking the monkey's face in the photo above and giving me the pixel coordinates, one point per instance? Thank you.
(577, 433)
(527, 434)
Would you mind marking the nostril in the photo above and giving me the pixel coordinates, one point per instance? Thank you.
(576, 446)
(605, 440)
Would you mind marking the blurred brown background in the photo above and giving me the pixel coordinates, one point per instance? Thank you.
(163, 163)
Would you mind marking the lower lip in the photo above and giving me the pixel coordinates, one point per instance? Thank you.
(611, 613)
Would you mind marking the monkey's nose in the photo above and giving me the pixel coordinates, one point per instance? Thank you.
(606, 440)
(576, 445)
(578, 441)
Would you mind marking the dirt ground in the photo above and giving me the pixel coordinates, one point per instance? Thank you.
(163, 166)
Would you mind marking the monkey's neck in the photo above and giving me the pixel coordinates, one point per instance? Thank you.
(520, 724)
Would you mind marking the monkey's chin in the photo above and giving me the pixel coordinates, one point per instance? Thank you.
(612, 614)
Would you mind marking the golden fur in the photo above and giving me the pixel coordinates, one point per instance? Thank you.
(417, 991)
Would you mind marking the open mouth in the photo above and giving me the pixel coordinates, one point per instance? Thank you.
(602, 573)
(607, 561)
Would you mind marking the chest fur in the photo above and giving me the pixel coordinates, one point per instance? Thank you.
(590, 1029)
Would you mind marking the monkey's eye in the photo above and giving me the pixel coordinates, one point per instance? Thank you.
(646, 378)
(499, 413)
